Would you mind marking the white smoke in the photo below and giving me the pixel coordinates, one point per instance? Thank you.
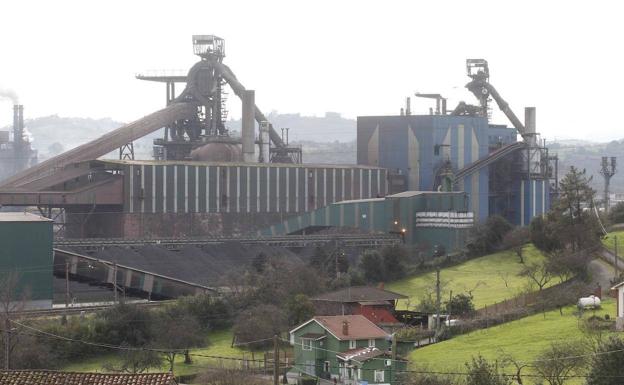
(7, 93)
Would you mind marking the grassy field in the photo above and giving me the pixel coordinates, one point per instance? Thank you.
(491, 279)
(524, 339)
(220, 345)
(609, 241)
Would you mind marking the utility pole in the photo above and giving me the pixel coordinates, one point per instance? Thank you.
(275, 360)
(437, 298)
(115, 282)
(66, 284)
(7, 342)
(615, 248)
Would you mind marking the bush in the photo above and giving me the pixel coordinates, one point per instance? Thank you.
(481, 372)
(460, 304)
(616, 214)
(606, 369)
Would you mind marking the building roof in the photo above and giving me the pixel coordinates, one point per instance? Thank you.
(22, 217)
(361, 354)
(407, 194)
(359, 327)
(233, 164)
(49, 377)
(618, 286)
(359, 294)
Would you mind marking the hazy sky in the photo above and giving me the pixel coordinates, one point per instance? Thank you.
(78, 58)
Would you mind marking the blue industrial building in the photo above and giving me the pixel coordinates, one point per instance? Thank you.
(500, 175)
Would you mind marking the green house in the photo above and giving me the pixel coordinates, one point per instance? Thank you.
(348, 348)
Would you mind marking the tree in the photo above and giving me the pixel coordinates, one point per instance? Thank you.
(488, 237)
(577, 225)
(606, 365)
(112, 325)
(537, 274)
(299, 308)
(559, 361)
(481, 372)
(177, 332)
(393, 262)
(543, 233)
(12, 299)
(259, 323)
(616, 214)
(515, 240)
(371, 264)
(133, 360)
(460, 304)
(229, 377)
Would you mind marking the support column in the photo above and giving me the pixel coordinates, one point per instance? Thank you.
(248, 125)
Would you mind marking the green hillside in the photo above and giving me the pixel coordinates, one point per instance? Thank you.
(524, 339)
(609, 241)
(491, 279)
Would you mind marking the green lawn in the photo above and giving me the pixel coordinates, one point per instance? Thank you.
(609, 241)
(524, 339)
(220, 345)
(491, 279)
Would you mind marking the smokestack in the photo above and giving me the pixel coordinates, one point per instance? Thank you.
(345, 328)
(18, 124)
(529, 122)
(248, 125)
(264, 142)
(408, 106)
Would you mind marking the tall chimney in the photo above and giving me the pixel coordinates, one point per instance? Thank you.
(248, 125)
(18, 124)
(345, 328)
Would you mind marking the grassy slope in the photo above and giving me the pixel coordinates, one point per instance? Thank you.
(219, 346)
(523, 339)
(488, 274)
(609, 241)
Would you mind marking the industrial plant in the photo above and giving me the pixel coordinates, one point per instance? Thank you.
(423, 180)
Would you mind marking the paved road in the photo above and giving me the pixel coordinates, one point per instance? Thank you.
(601, 272)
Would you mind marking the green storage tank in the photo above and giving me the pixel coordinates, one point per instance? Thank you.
(26, 252)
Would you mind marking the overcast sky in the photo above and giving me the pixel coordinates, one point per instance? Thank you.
(78, 58)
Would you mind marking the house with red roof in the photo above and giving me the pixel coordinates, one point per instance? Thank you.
(348, 348)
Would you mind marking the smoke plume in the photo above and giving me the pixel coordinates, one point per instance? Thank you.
(7, 93)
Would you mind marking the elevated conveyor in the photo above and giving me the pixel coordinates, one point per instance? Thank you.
(102, 145)
(491, 158)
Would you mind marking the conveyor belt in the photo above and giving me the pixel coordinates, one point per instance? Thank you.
(102, 145)
(491, 158)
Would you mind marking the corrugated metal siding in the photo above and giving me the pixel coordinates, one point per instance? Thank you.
(27, 250)
(188, 188)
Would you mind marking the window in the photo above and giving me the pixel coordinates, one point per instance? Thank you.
(379, 376)
(388, 362)
(352, 344)
(306, 344)
(371, 343)
(326, 366)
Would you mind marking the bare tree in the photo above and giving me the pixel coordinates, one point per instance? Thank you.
(559, 361)
(515, 240)
(177, 332)
(230, 377)
(537, 274)
(12, 300)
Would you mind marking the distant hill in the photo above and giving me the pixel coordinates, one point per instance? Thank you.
(587, 155)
